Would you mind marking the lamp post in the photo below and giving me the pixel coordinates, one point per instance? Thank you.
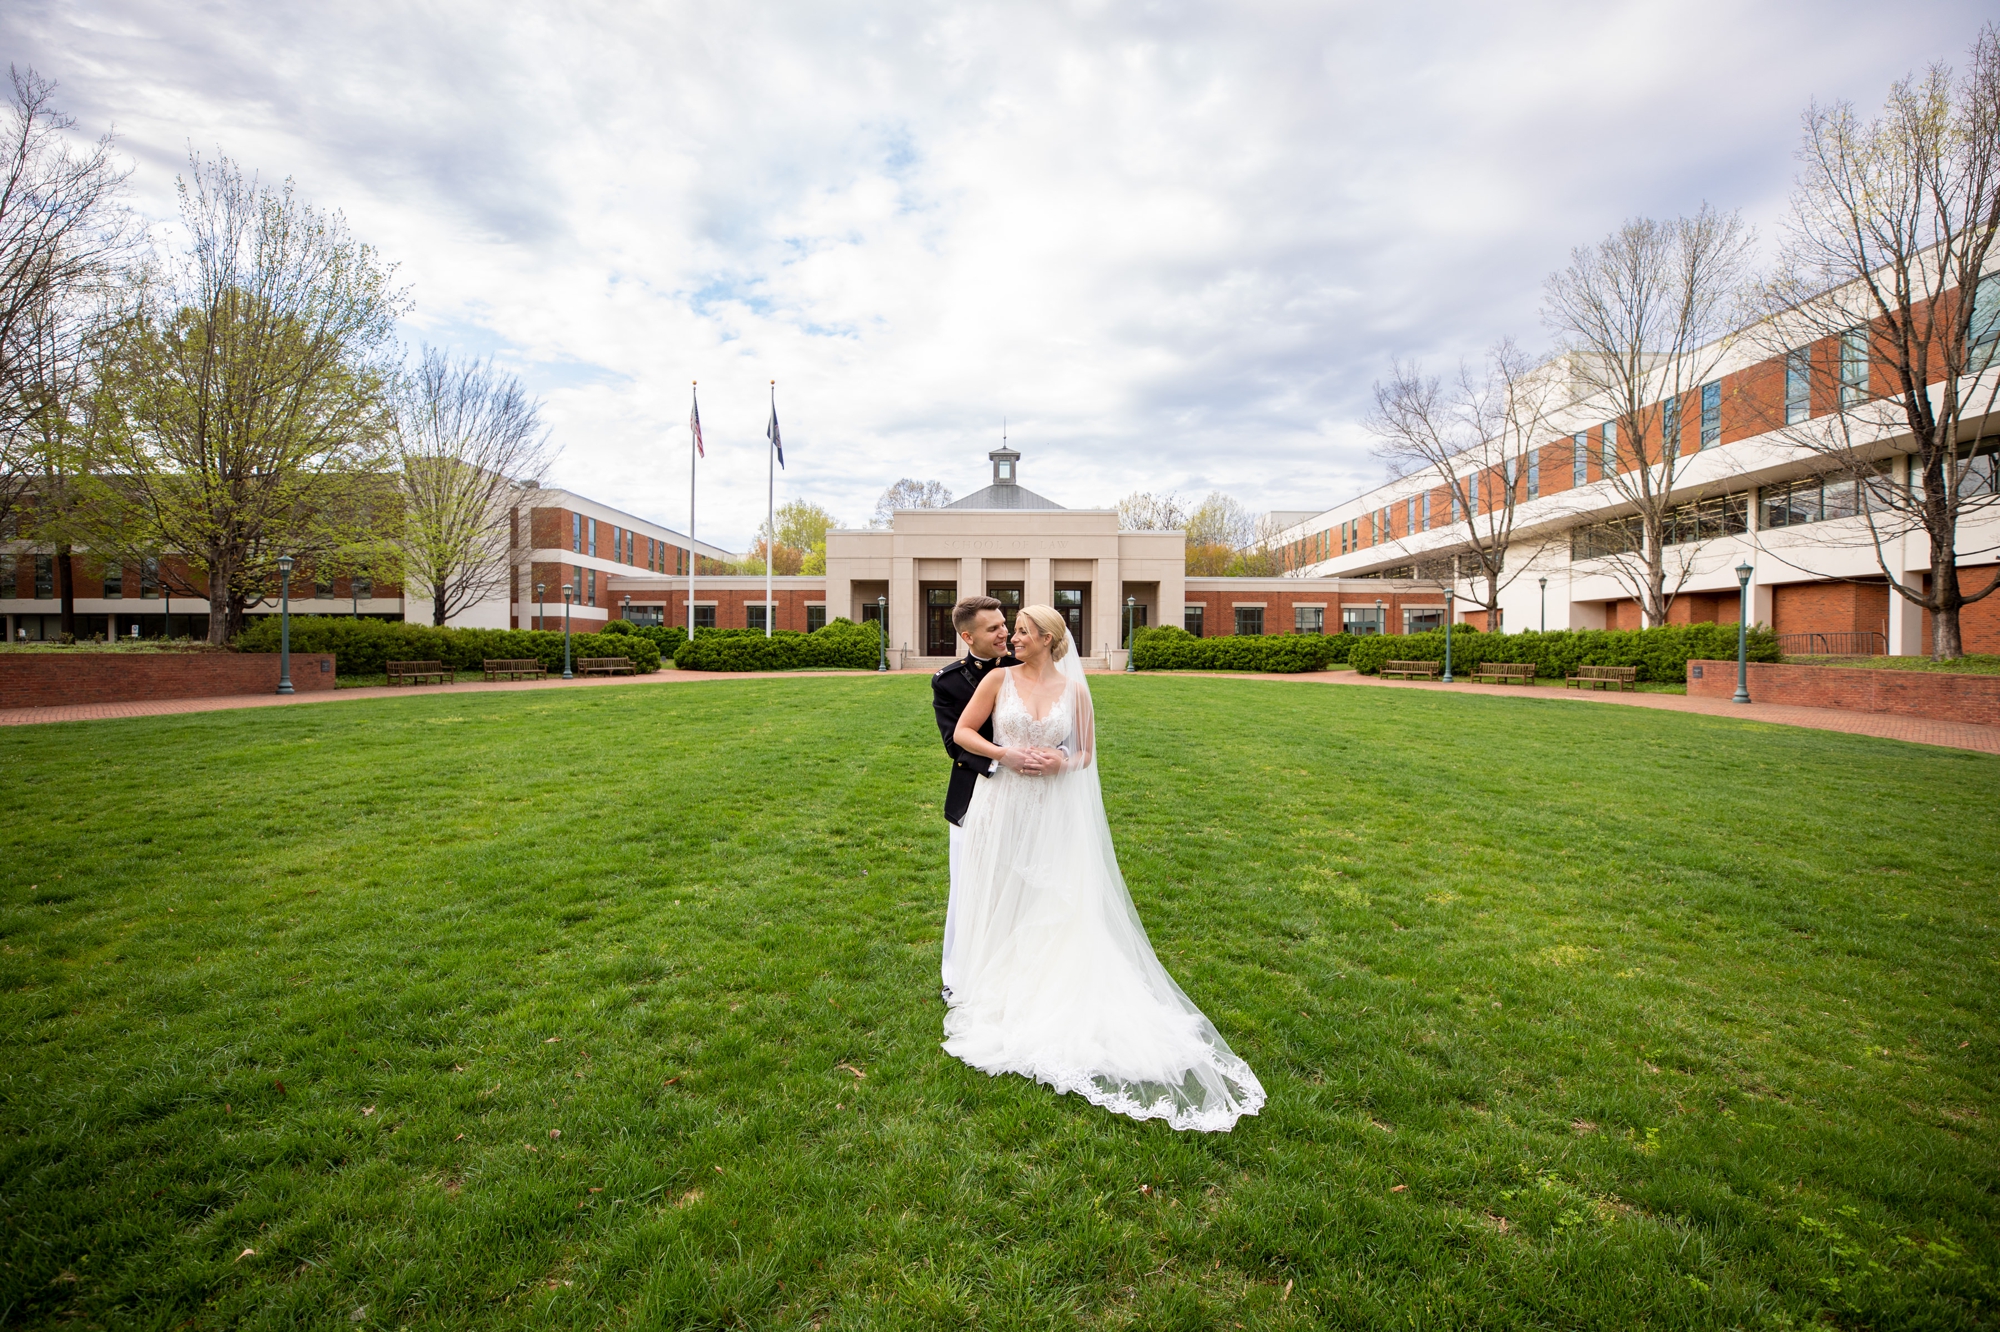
(567, 674)
(1131, 614)
(1544, 581)
(1450, 600)
(284, 624)
(1743, 572)
(541, 606)
(1381, 617)
(625, 610)
(882, 630)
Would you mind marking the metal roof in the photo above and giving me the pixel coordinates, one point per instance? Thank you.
(1004, 497)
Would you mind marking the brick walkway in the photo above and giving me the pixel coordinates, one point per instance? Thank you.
(1916, 730)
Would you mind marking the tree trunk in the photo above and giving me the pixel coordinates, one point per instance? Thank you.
(66, 589)
(1946, 598)
(437, 605)
(218, 606)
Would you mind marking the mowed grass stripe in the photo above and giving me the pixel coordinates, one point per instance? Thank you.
(1569, 1015)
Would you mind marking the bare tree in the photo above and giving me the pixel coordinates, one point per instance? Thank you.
(1888, 321)
(468, 440)
(255, 388)
(1478, 437)
(1645, 319)
(1143, 511)
(909, 493)
(1218, 530)
(64, 237)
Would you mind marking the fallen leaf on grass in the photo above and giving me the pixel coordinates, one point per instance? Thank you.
(279, 1085)
(1582, 1126)
(552, 1040)
(62, 1277)
(247, 1253)
(670, 1082)
(1380, 1125)
(688, 1199)
(367, 1110)
(1499, 1222)
(1399, 1188)
(554, 1134)
(459, 1138)
(858, 1074)
(1963, 1044)
(1287, 1294)
(597, 1190)
(718, 1170)
(360, 1314)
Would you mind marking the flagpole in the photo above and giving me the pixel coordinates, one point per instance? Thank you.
(770, 513)
(694, 387)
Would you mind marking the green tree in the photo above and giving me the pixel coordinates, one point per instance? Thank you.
(254, 384)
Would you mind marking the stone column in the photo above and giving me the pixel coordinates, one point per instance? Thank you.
(905, 615)
(1107, 596)
(1041, 588)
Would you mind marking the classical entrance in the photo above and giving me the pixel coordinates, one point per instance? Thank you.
(1009, 597)
(1073, 604)
(940, 639)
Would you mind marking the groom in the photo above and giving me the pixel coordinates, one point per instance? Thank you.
(982, 623)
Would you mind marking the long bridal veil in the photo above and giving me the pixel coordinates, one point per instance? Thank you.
(1060, 982)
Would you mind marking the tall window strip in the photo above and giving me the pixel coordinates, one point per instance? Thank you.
(1985, 330)
(1670, 428)
(1512, 469)
(1534, 473)
(1798, 386)
(1427, 511)
(149, 579)
(590, 531)
(114, 581)
(1711, 414)
(1853, 366)
(576, 532)
(1580, 465)
(1608, 458)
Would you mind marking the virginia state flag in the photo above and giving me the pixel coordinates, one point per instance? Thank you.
(771, 432)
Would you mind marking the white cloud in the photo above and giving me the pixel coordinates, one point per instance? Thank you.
(1173, 243)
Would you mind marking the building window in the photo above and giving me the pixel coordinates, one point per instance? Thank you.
(1607, 456)
(1534, 473)
(114, 582)
(590, 534)
(648, 617)
(1984, 334)
(591, 574)
(753, 614)
(1853, 366)
(1422, 621)
(1670, 428)
(1580, 458)
(45, 577)
(1427, 511)
(1191, 619)
(1512, 471)
(149, 579)
(9, 571)
(1249, 619)
(576, 533)
(1598, 540)
(815, 619)
(1726, 515)
(1980, 477)
(1006, 472)
(1308, 619)
(1711, 414)
(704, 617)
(360, 587)
(1360, 620)
(1798, 386)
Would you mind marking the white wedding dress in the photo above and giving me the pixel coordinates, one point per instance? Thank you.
(1056, 978)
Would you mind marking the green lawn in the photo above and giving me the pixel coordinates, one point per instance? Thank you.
(554, 1008)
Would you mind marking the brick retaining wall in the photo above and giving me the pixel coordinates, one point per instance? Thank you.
(55, 679)
(1942, 697)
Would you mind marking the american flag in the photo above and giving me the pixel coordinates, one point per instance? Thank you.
(694, 424)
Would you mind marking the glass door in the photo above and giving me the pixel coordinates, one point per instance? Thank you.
(1073, 604)
(940, 639)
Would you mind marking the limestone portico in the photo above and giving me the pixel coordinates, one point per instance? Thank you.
(1014, 545)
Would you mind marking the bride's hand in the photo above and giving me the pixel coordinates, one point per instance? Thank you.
(1028, 761)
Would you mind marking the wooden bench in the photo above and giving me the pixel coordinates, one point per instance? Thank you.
(416, 672)
(1507, 672)
(1412, 670)
(1604, 677)
(515, 668)
(605, 666)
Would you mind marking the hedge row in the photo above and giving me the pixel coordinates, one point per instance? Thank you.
(841, 645)
(1661, 654)
(361, 646)
(1167, 648)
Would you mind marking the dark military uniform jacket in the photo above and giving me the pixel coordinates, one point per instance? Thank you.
(951, 689)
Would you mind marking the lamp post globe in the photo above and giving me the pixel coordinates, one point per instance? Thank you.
(284, 624)
(567, 673)
(1450, 601)
(1131, 620)
(541, 606)
(1544, 581)
(1381, 617)
(882, 631)
(1743, 572)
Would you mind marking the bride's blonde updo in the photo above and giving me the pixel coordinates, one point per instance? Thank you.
(1050, 621)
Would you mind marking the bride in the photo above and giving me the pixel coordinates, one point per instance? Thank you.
(1056, 979)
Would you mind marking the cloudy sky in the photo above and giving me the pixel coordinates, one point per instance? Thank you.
(1173, 244)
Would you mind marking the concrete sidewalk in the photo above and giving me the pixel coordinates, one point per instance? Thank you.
(1886, 726)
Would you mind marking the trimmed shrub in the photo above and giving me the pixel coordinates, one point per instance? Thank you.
(841, 645)
(1168, 648)
(667, 638)
(361, 646)
(1661, 654)
(620, 627)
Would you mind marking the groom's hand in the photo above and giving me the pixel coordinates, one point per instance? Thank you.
(1027, 762)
